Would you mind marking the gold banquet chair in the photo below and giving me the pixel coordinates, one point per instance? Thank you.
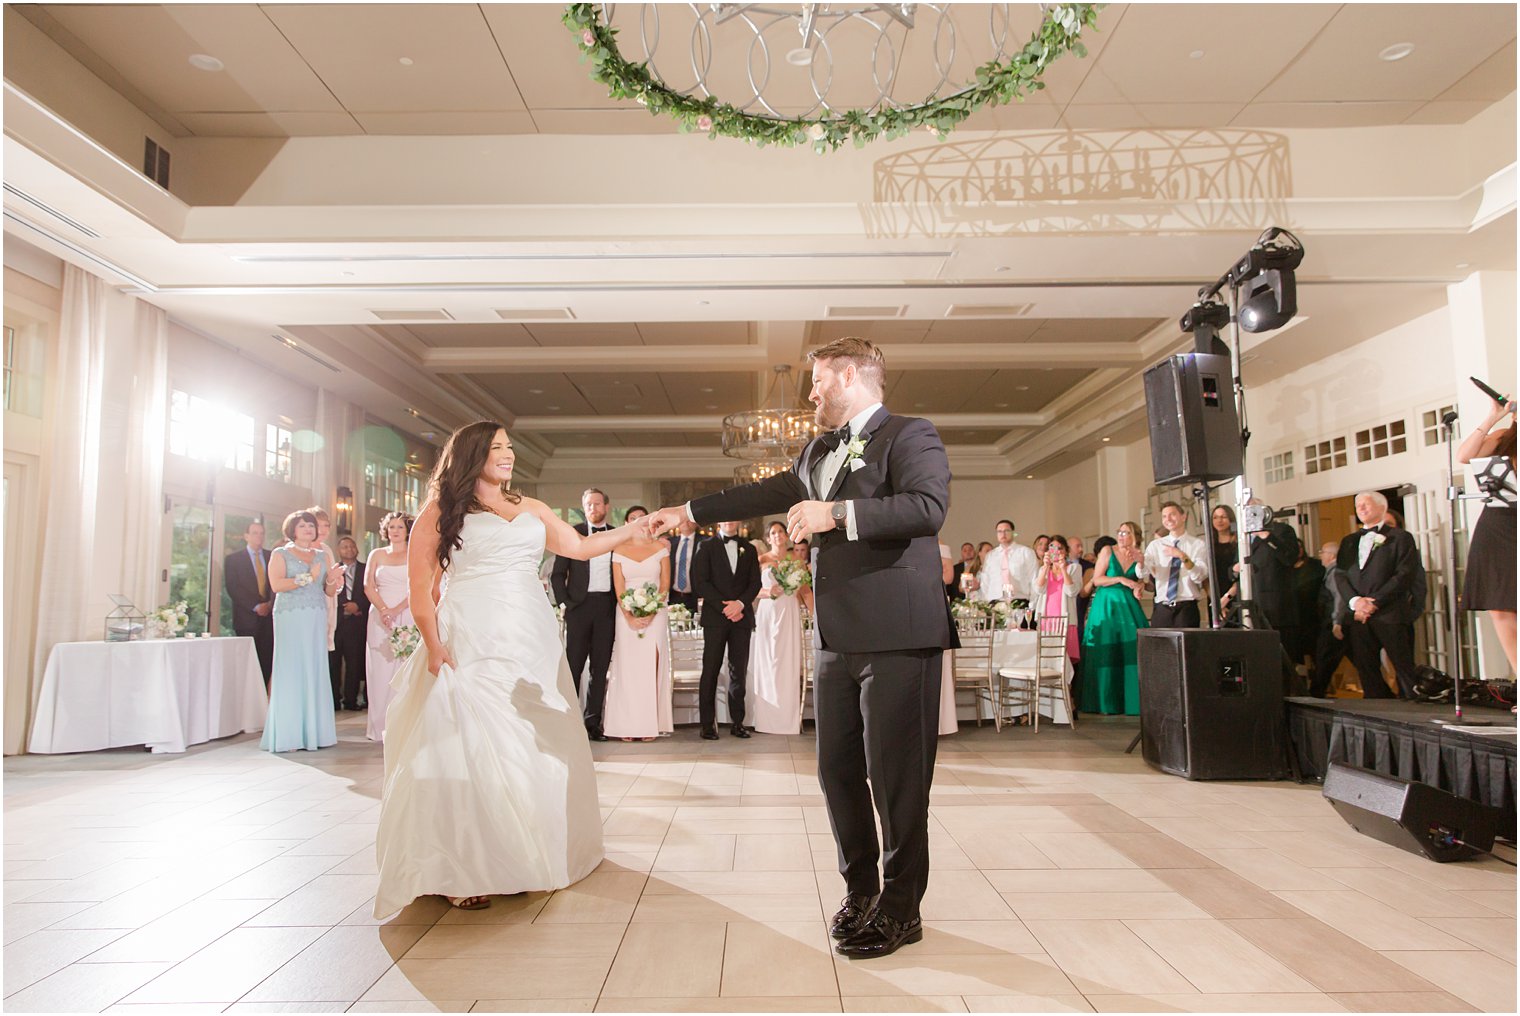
(809, 659)
(974, 668)
(1026, 685)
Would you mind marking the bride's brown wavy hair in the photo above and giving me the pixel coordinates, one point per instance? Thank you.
(453, 482)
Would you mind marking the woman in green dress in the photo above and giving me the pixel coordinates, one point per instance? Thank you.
(1110, 679)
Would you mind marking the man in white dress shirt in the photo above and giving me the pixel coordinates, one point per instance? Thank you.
(1010, 569)
(1179, 565)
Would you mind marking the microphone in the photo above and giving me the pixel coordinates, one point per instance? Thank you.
(1486, 390)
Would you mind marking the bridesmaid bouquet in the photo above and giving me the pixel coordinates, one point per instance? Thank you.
(645, 601)
(791, 575)
(404, 639)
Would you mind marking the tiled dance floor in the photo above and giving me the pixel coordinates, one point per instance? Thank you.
(1067, 877)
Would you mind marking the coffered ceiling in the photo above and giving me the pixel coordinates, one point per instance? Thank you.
(436, 202)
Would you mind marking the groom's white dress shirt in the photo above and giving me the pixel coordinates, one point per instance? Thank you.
(600, 578)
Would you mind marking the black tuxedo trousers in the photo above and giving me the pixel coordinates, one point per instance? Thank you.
(590, 627)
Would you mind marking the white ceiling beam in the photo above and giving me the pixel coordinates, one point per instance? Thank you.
(503, 360)
(714, 422)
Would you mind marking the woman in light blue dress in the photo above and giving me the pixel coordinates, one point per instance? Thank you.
(300, 688)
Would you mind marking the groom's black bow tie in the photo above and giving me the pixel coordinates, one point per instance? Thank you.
(832, 439)
(730, 539)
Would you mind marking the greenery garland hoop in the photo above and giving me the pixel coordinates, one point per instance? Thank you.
(997, 82)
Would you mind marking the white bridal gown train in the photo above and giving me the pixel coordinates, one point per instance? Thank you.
(489, 785)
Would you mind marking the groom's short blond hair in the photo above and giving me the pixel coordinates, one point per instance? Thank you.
(870, 365)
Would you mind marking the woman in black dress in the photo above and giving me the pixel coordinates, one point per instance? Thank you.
(1226, 554)
(1490, 583)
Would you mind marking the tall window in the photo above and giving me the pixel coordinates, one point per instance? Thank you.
(199, 429)
(277, 452)
(24, 357)
(10, 362)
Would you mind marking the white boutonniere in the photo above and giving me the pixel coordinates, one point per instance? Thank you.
(1378, 539)
(853, 450)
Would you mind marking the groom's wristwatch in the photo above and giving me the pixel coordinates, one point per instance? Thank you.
(839, 512)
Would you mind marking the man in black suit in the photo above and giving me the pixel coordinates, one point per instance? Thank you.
(953, 587)
(1377, 574)
(351, 636)
(875, 491)
(1273, 552)
(684, 544)
(585, 588)
(246, 574)
(726, 575)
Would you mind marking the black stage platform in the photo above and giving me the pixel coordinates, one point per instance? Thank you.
(1400, 739)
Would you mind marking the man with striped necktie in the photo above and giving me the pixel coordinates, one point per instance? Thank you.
(1178, 564)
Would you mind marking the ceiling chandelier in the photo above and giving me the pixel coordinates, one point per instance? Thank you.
(754, 472)
(770, 436)
(823, 74)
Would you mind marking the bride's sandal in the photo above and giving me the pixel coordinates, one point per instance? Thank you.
(469, 902)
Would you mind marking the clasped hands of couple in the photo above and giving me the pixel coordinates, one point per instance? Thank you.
(804, 519)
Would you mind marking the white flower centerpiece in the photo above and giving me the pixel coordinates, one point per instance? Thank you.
(167, 621)
(642, 601)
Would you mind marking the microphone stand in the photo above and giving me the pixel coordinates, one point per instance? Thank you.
(1454, 499)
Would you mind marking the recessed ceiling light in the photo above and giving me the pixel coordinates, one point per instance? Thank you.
(918, 405)
(1002, 268)
(206, 62)
(712, 407)
(551, 407)
(1029, 476)
(406, 61)
(705, 390)
(1000, 405)
(349, 274)
(1196, 54)
(632, 405)
(1107, 440)
(702, 303)
(1021, 388)
(1397, 51)
(535, 391)
(1463, 264)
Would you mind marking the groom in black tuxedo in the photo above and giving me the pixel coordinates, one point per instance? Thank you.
(726, 575)
(874, 491)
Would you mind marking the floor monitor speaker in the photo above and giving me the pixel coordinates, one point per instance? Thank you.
(1211, 703)
(1194, 429)
(1413, 816)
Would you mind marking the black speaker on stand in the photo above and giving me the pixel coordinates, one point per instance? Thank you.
(1190, 410)
(1212, 704)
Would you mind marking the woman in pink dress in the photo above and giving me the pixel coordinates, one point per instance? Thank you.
(385, 583)
(1056, 587)
(775, 649)
(638, 704)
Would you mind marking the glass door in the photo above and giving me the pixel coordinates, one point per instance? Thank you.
(190, 560)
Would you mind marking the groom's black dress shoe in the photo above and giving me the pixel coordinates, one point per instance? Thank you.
(595, 735)
(854, 911)
(739, 730)
(882, 936)
(709, 734)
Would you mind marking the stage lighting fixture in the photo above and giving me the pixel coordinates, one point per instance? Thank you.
(1203, 321)
(1265, 274)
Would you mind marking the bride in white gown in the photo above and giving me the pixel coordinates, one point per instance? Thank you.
(489, 785)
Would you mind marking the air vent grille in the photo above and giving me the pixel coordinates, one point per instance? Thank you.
(866, 312)
(537, 314)
(413, 315)
(963, 310)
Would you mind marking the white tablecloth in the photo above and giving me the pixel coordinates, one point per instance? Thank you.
(1017, 648)
(166, 694)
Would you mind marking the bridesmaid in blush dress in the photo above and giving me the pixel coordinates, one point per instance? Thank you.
(385, 583)
(775, 650)
(638, 703)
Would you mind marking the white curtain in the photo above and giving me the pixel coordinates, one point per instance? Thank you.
(147, 420)
(67, 610)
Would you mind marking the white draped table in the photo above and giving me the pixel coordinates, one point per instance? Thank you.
(1015, 647)
(162, 693)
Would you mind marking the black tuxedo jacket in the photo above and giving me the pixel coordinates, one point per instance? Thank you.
(243, 589)
(570, 577)
(714, 581)
(1271, 562)
(359, 596)
(1393, 576)
(881, 592)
